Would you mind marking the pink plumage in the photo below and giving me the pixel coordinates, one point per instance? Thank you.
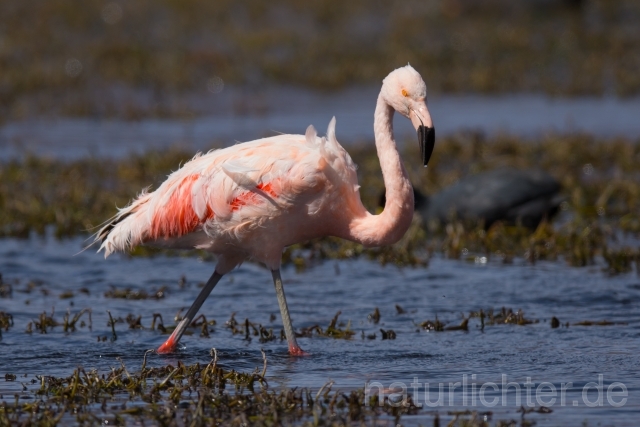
(252, 200)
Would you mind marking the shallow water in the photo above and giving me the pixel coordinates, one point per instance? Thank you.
(288, 110)
(448, 289)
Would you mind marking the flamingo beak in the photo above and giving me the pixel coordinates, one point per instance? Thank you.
(427, 140)
(426, 133)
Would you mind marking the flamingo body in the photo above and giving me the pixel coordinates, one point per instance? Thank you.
(254, 199)
(247, 201)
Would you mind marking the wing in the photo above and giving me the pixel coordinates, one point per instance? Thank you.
(234, 189)
(230, 186)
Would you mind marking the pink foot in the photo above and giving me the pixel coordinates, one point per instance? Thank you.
(169, 346)
(297, 351)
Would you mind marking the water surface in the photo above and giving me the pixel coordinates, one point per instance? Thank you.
(288, 110)
(533, 353)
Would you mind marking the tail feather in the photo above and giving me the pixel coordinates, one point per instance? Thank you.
(104, 231)
(125, 229)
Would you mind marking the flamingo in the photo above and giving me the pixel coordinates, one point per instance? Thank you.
(252, 200)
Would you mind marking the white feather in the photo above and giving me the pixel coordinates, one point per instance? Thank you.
(198, 200)
(240, 173)
(310, 135)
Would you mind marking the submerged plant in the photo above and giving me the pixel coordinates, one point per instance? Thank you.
(6, 321)
(334, 330)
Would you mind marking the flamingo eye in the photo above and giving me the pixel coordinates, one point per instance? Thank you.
(405, 93)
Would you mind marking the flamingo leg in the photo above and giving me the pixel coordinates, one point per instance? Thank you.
(294, 348)
(172, 342)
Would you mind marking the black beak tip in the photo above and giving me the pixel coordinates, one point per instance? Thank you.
(427, 140)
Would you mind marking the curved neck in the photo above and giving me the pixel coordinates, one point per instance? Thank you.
(388, 227)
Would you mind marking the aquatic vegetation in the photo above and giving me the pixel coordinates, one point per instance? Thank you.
(69, 323)
(502, 316)
(375, 316)
(134, 294)
(463, 326)
(166, 48)
(435, 325)
(6, 321)
(621, 260)
(491, 318)
(43, 323)
(188, 394)
(112, 323)
(5, 289)
(598, 323)
(389, 334)
(46, 322)
(209, 394)
(249, 329)
(438, 326)
(334, 330)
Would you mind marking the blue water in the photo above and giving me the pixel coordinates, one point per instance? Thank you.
(525, 356)
(288, 110)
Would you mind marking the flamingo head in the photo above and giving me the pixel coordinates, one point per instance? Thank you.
(405, 91)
